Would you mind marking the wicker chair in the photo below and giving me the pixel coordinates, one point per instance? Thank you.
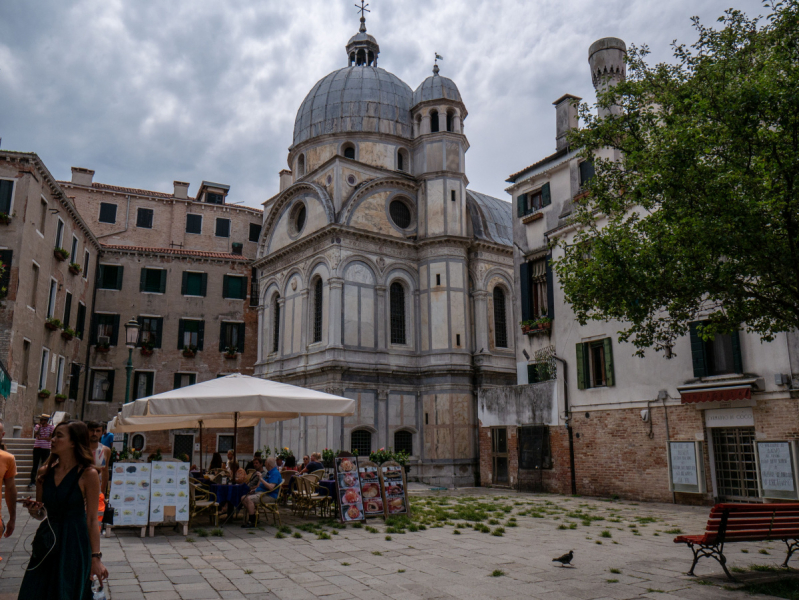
(267, 509)
(203, 502)
(285, 492)
(310, 496)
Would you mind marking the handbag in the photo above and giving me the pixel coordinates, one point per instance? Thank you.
(108, 514)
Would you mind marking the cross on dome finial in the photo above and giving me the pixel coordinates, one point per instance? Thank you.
(362, 49)
(362, 9)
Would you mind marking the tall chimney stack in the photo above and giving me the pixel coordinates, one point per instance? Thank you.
(82, 176)
(566, 118)
(285, 179)
(606, 58)
(181, 190)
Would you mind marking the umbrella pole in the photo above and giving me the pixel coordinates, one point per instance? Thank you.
(235, 436)
(201, 446)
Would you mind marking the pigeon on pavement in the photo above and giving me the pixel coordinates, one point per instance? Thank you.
(566, 559)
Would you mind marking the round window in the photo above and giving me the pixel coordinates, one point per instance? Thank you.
(400, 214)
(351, 180)
(299, 218)
(137, 442)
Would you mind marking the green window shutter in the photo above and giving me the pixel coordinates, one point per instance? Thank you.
(200, 335)
(581, 370)
(100, 274)
(737, 359)
(120, 269)
(524, 281)
(546, 195)
(532, 373)
(115, 334)
(610, 376)
(109, 395)
(204, 284)
(222, 347)
(176, 381)
(184, 284)
(143, 280)
(226, 286)
(93, 330)
(162, 286)
(521, 204)
(550, 289)
(698, 351)
(159, 331)
(241, 337)
(181, 329)
(5, 195)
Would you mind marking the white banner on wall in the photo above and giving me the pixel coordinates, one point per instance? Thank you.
(686, 467)
(776, 463)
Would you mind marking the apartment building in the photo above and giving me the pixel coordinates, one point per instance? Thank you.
(587, 416)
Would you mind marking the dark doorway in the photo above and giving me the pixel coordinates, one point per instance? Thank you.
(734, 459)
(499, 455)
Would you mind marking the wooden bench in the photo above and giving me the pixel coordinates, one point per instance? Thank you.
(744, 523)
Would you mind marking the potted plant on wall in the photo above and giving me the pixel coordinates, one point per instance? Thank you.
(5, 218)
(68, 333)
(60, 397)
(528, 325)
(52, 324)
(102, 348)
(75, 268)
(189, 351)
(147, 348)
(231, 352)
(60, 254)
(44, 394)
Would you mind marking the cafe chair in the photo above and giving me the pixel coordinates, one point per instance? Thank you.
(203, 502)
(267, 509)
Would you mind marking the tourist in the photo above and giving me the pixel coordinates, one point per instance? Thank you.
(66, 548)
(216, 462)
(258, 467)
(305, 460)
(229, 465)
(8, 470)
(279, 463)
(266, 492)
(250, 464)
(41, 445)
(237, 474)
(290, 464)
(108, 438)
(314, 465)
(102, 456)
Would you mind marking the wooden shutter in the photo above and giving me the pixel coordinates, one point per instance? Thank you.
(143, 280)
(610, 376)
(550, 289)
(226, 286)
(109, 395)
(176, 381)
(524, 282)
(184, 286)
(162, 286)
(521, 203)
(80, 323)
(222, 346)
(5, 258)
(737, 359)
(204, 284)
(200, 335)
(120, 270)
(6, 187)
(181, 329)
(115, 332)
(698, 357)
(546, 195)
(581, 370)
(241, 337)
(67, 309)
(159, 323)
(100, 274)
(93, 330)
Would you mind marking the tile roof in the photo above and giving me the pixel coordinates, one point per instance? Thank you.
(177, 252)
(496, 224)
(558, 154)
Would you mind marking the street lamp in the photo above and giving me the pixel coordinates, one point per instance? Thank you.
(132, 328)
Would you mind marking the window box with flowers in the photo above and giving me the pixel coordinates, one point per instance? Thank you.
(75, 268)
(5, 218)
(52, 324)
(60, 397)
(231, 352)
(147, 348)
(44, 394)
(68, 333)
(60, 254)
(102, 348)
(537, 326)
(189, 351)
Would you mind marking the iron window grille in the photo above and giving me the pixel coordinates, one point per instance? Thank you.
(397, 293)
(403, 442)
(317, 312)
(361, 442)
(400, 214)
(734, 456)
(500, 319)
(276, 325)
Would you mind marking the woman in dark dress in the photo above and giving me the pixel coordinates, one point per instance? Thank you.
(66, 547)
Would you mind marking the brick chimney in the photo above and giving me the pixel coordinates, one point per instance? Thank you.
(181, 190)
(566, 118)
(82, 176)
(285, 179)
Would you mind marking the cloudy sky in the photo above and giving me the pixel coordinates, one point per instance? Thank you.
(149, 91)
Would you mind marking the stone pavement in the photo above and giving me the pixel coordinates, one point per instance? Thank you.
(434, 563)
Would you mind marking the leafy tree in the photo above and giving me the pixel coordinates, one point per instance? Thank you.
(693, 211)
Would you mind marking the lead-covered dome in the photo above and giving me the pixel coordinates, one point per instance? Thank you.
(436, 87)
(353, 100)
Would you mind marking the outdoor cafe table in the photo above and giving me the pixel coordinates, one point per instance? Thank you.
(330, 486)
(232, 493)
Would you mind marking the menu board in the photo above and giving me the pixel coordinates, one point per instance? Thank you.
(777, 470)
(686, 470)
(392, 479)
(350, 501)
(169, 492)
(371, 489)
(130, 493)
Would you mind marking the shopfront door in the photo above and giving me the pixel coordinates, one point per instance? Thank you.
(734, 459)
(499, 454)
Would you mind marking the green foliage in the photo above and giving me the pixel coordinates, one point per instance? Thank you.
(218, 532)
(693, 211)
(497, 573)
(382, 455)
(782, 588)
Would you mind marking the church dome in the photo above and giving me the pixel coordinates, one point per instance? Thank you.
(356, 99)
(436, 87)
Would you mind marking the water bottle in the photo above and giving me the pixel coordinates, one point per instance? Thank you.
(98, 593)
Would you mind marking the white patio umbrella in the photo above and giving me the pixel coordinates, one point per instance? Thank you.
(231, 401)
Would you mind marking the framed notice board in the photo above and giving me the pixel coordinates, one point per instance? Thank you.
(776, 469)
(686, 467)
(371, 489)
(395, 486)
(348, 481)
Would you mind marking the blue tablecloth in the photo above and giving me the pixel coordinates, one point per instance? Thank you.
(330, 485)
(230, 493)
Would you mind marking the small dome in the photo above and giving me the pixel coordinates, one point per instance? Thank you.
(436, 87)
(360, 37)
(355, 99)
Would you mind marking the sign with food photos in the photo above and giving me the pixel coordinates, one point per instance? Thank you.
(371, 489)
(394, 484)
(130, 494)
(348, 483)
(169, 492)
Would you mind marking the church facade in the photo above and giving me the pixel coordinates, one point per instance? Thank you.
(382, 277)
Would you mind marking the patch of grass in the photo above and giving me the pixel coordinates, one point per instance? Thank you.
(744, 550)
(377, 553)
(564, 526)
(737, 570)
(654, 591)
(763, 551)
(296, 534)
(248, 571)
(497, 573)
(357, 525)
(766, 568)
(323, 536)
(493, 522)
(201, 532)
(280, 535)
(413, 528)
(400, 570)
(218, 532)
(645, 520)
(371, 529)
(704, 582)
(285, 529)
(611, 581)
(499, 531)
(511, 524)
(190, 540)
(456, 532)
(782, 588)
(345, 564)
(605, 534)
(675, 531)
(615, 571)
(388, 538)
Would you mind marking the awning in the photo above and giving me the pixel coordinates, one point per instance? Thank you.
(716, 394)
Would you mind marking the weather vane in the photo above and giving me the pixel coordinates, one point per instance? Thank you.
(362, 8)
(438, 57)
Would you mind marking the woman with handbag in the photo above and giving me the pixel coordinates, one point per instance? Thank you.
(65, 553)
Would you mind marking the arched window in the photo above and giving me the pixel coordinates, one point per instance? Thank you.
(397, 293)
(402, 160)
(450, 121)
(352, 58)
(317, 311)
(348, 150)
(301, 166)
(500, 320)
(137, 442)
(276, 323)
(361, 58)
(361, 442)
(403, 441)
(434, 121)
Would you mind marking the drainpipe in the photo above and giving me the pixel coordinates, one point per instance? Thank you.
(88, 338)
(567, 410)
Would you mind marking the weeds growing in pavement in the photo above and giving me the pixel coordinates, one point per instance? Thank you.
(296, 534)
(605, 534)
(674, 531)
(218, 532)
(279, 535)
(190, 540)
(248, 571)
(377, 553)
(611, 581)
(763, 551)
(615, 571)
(323, 536)
(497, 573)
(201, 532)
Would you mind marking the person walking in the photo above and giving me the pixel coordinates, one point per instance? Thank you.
(65, 552)
(102, 457)
(41, 445)
(8, 470)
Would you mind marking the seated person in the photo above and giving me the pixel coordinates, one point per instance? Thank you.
(216, 462)
(290, 464)
(250, 464)
(305, 460)
(315, 464)
(279, 462)
(269, 484)
(255, 478)
(229, 465)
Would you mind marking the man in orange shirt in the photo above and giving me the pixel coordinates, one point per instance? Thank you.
(8, 470)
